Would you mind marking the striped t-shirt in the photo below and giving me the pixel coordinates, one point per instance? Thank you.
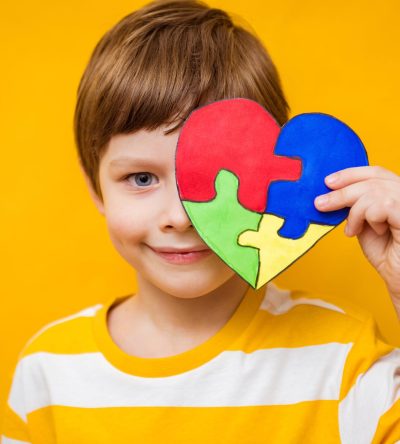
(286, 368)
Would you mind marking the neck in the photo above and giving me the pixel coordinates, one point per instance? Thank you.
(176, 316)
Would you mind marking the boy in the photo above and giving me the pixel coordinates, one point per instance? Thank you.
(196, 355)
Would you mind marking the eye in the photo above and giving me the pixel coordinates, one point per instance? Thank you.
(142, 179)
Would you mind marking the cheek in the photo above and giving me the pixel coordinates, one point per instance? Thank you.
(128, 223)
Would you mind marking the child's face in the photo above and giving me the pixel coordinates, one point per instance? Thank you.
(144, 214)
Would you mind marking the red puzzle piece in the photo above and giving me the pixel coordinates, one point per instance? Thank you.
(215, 135)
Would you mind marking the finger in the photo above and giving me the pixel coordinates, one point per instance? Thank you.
(356, 174)
(377, 216)
(348, 195)
(386, 210)
(380, 228)
(357, 216)
(344, 197)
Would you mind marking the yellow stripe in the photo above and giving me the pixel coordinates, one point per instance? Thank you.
(351, 309)
(177, 425)
(13, 426)
(72, 336)
(304, 325)
(388, 430)
(367, 349)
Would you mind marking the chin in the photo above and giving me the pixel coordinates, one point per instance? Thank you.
(191, 285)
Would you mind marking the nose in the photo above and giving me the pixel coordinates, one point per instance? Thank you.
(173, 216)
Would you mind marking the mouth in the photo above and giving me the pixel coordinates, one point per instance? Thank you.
(182, 256)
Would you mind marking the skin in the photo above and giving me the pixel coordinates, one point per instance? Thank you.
(180, 306)
(373, 194)
(176, 306)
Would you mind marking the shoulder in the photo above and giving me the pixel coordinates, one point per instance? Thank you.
(50, 350)
(280, 300)
(325, 329)
(317, 317)
(69, 334)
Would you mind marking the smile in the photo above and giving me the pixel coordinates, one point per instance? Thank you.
(182, 257)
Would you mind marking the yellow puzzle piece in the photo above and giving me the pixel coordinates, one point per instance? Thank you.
(276, 252)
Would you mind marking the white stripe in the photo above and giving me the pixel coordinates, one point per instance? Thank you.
(16, 399)
(278, 301)
(5, 440)
(374, 392)
(264, 377)
(18, 390)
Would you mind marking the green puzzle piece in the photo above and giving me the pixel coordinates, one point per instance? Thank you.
(225, 220)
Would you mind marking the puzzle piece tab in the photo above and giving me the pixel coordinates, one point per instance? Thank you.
(221, 221)
(276, 252)
(325, 145)
(238, 135)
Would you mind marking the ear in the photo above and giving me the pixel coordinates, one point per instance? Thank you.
(95, 198)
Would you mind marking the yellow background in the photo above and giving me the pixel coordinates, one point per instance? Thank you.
(340, 58)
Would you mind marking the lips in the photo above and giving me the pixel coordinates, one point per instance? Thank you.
(179, 250)
(182, 256)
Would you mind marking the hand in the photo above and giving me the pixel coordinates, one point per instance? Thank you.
(373, 193)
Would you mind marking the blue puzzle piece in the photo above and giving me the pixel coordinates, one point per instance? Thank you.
(325, 145)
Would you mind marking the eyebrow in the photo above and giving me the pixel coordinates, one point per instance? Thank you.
(126, 161)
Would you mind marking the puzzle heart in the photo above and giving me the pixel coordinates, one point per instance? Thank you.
(248, 186)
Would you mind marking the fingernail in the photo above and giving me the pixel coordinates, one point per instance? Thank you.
(332, 178)
(321, 200)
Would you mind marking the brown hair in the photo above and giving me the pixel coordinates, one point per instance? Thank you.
(158, 64)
